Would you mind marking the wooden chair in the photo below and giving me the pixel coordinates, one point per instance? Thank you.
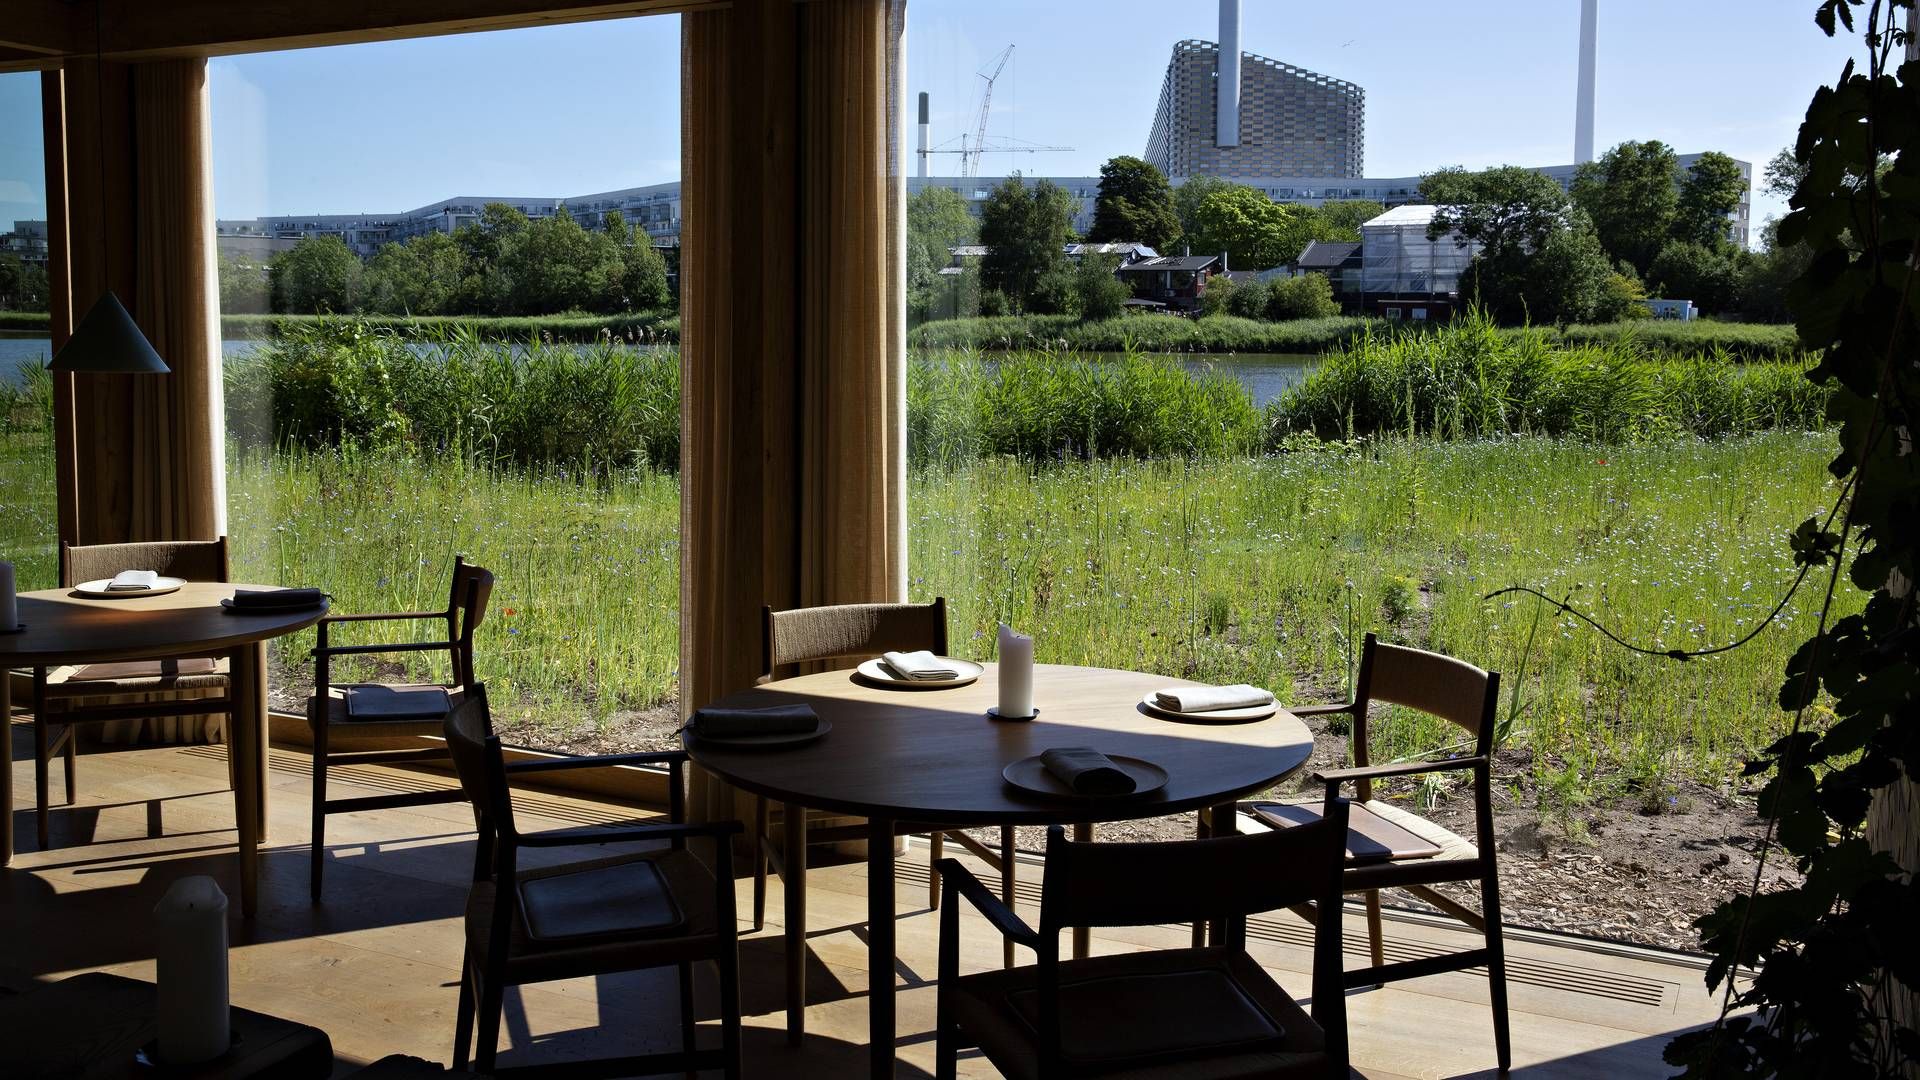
(840, 632)
(327, 709)
(64, 698)
(1392, 848)
(599, 916)
(1189, 1013)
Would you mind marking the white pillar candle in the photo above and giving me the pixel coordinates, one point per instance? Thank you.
(9, 605)
(1016, 674)
(191, 972)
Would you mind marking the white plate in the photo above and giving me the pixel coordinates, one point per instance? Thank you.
(99, 591)
(876, 672)
(1211, 716)
(1030, 774)
(775, 741)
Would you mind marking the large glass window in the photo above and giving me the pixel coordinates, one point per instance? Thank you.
(28, 516)
(448, 289)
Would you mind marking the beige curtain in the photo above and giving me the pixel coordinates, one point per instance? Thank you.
(793, 405)
(141, 456)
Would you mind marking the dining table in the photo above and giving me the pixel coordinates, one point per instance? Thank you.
(65, 626)
(897, 754)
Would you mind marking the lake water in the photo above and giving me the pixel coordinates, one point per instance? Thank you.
(1265, 375)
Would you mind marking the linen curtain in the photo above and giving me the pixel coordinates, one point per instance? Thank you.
(140, 457)
(792, 328)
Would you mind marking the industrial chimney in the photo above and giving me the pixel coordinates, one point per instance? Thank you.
(1583, 103)
(923, 133)
(1226, 88)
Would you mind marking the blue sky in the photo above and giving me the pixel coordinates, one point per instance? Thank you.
(577, 109)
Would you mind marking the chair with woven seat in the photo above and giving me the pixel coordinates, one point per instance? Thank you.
(799, 636)
(1191, 1013)
(66, 698)
(598, 916)
(380, 711)
(1389, 847)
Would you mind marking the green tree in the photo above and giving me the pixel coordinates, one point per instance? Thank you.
(1630, 195)
(23, 285)
(1025, 230)
(1253, 230)
(556, 265)
(420, 276)
(937, 220)
(1135, 204)
(243, 284)
(1707, 275)
(1100, 293)
(318, 274)
(1783, 174)
(1709, 192)
(1566, 280)
(1186, 204)
(1509, 211)
(1340, 219)
(1765, 276)
(1307, 296)
(1218, 299)
(486, 289)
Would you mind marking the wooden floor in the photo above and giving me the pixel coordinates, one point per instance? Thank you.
(375, 965)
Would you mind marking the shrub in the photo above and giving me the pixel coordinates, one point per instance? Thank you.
(1309, 296)
(1101, 295)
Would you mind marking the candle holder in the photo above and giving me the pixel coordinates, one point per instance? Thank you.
(993, 712)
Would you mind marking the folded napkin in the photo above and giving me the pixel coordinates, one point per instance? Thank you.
(134, 580)
(1210, 698)
(918, 666)
(265, 599)
(733, 723)
(1087, 771)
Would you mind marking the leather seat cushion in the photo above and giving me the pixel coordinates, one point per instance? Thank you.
(630, 935)
(138, 677)
(1376, 831)
(1183, 1012)
(334, 713)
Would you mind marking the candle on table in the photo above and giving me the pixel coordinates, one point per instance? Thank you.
(1016, 674)
(190, 971)
(9, 605)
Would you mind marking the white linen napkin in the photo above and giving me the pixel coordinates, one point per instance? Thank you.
(134, 580)
(1211, 698)
(919, 666)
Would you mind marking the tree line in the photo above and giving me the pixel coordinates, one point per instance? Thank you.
(503, 264)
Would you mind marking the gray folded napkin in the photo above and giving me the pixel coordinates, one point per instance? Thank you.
(734, 723)
(133, 581)
(1211, 698)
(1087, 771)
(919, 666)
(276, 598)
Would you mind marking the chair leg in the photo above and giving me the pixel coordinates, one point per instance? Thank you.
(1376, 946)
(491, 993)
(72, 751)
(759, 856)
(463, 1018)
(39, 776)
(946, 1056)
(1496, 969)
(317, 855)
(1200, 832)
(1008, 867)
(730, 1012)
(688, 1040)
(936, 846)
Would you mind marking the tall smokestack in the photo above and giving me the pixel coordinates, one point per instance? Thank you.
(923, 133)
(1226, 115)
(1583, 104)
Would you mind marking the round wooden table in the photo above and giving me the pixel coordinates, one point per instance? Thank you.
(934, 756)
(64, 627)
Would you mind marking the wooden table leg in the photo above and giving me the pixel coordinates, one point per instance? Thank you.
(266, 738)
(880, 947)
(6, 767)
(1223, 821)
(793, 881)
(1082, 936)
(245, 743)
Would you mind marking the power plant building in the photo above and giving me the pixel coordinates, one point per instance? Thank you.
(1290, 121)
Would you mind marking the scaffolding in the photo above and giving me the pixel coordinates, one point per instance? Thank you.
(1397, 259)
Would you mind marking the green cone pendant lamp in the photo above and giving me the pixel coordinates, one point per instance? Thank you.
(107, 342)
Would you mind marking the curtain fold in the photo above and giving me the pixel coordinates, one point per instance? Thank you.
(792, 369)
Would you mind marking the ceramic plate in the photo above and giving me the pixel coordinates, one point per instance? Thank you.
(1211, 716)
(257, 607)
(761, 742)
(99, 591)
(876, 672)
(1030, 774)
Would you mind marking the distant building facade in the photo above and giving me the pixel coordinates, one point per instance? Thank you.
(1292, 122)
(27, 242)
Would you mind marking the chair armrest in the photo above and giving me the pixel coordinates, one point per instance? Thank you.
(1318, 710)
(1333, 778)
(577, 837)
(956, 879)
(362, 650)
(598, 761)
(385, 616)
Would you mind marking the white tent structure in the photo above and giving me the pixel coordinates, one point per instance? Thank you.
(1397, 259)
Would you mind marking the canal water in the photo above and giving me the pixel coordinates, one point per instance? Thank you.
(1265, 375)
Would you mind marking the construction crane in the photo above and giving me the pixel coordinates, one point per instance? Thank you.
(971, 151)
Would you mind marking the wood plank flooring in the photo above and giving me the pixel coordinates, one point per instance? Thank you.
(376, 964)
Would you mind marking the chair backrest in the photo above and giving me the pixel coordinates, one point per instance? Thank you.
(1441, 686)
(480, 765)
(801, 635)
(194, 560)
(466, 609)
